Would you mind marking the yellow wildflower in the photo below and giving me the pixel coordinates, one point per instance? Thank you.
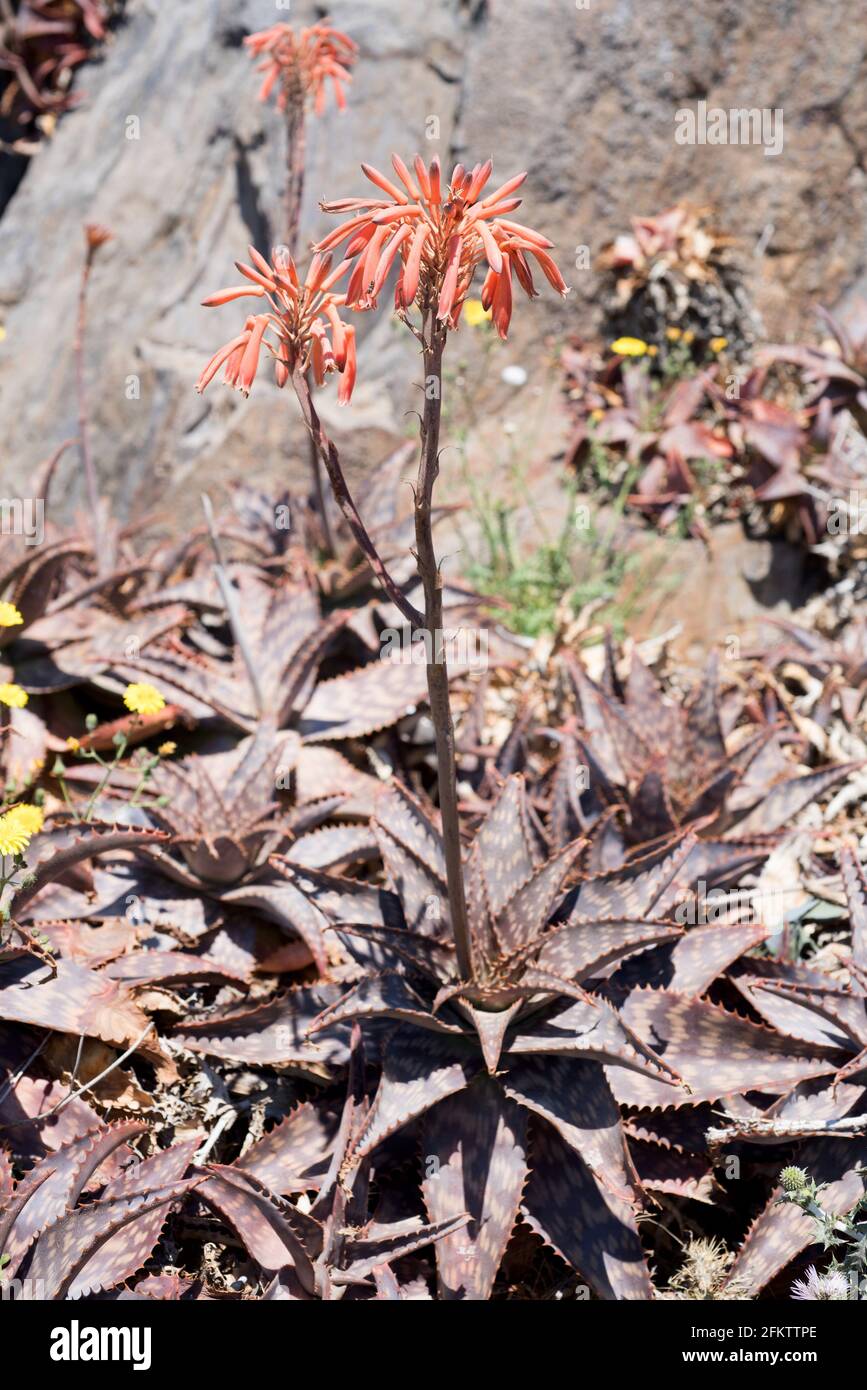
(10, 616)
(13, 839)
(166, 750)
(689, 336)
(13, 696)
(142, 698)
(629, 347)
(74, 745)
(673, 334)
(475, 312)
(652, 350)
(29, 819)
(718, 344)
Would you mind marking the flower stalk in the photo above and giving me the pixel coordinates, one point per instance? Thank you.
(433, 345)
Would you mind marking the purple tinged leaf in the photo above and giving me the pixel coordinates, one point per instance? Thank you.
(475, 1155)
(66, 1262)
(584, 1222)
(574, 1097)
(54, 1185)
(855, 886)
(780, 1233)
(418, 1071)
(715, 1052)
(294, 1155)
(269, 1228)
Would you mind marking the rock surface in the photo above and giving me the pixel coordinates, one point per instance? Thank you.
(171, 150)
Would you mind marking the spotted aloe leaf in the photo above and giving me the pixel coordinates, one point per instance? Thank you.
(294, 1156)
(784, 802)
(583, 1220)
(75, 1000)
(418, 1071)
(120, 1255)
(50, 854)
(781, 1232)
(855, 885)
(53, 1186)
(274, 1033)
(690, 964)
(668, 765)
(272, 1230)
(363, 701)
(475, 1159)
(715, 1052)
(66, 1261)
(169, 967)
(574, 1097)
(369, 1252)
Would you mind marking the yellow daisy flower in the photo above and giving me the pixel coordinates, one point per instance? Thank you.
(689, 336)
(142, 698)
(475, 312)
(13, 839)
(718, 344)
(29, 819)
(629, 347)
(13, 696)
(9, 615)
(673, 334)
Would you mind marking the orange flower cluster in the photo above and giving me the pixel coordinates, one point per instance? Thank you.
(303, 320)
(306, 60)
(441, 233)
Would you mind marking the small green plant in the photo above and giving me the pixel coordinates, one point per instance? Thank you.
(844, 1234)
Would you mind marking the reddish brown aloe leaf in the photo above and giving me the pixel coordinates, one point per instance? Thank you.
(294, 1156)
(269, 1228)
(364, 701)
(584, 1222)
(505, 846)
(367, 1253)
(76, 1000)
(418, 1071)
(273, 1033)
(118, 1257)
(475, 1160)
(785, 801)
(167, 967)
(780, 1233)
(574, 1096)
(54, 1185)
(587, 948)
(855, 885)
(698, 958)
(73, 1245)
(716, 1053)
(52, 853)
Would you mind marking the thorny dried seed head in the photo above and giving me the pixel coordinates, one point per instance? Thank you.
(303, 63)
(303, 319)
(441, 235)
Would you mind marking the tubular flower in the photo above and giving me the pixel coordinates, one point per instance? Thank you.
(303, 319)
(142, 698)
(303, 62)
(441, 235)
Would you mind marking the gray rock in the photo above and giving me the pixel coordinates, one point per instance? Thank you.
(586, 98)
